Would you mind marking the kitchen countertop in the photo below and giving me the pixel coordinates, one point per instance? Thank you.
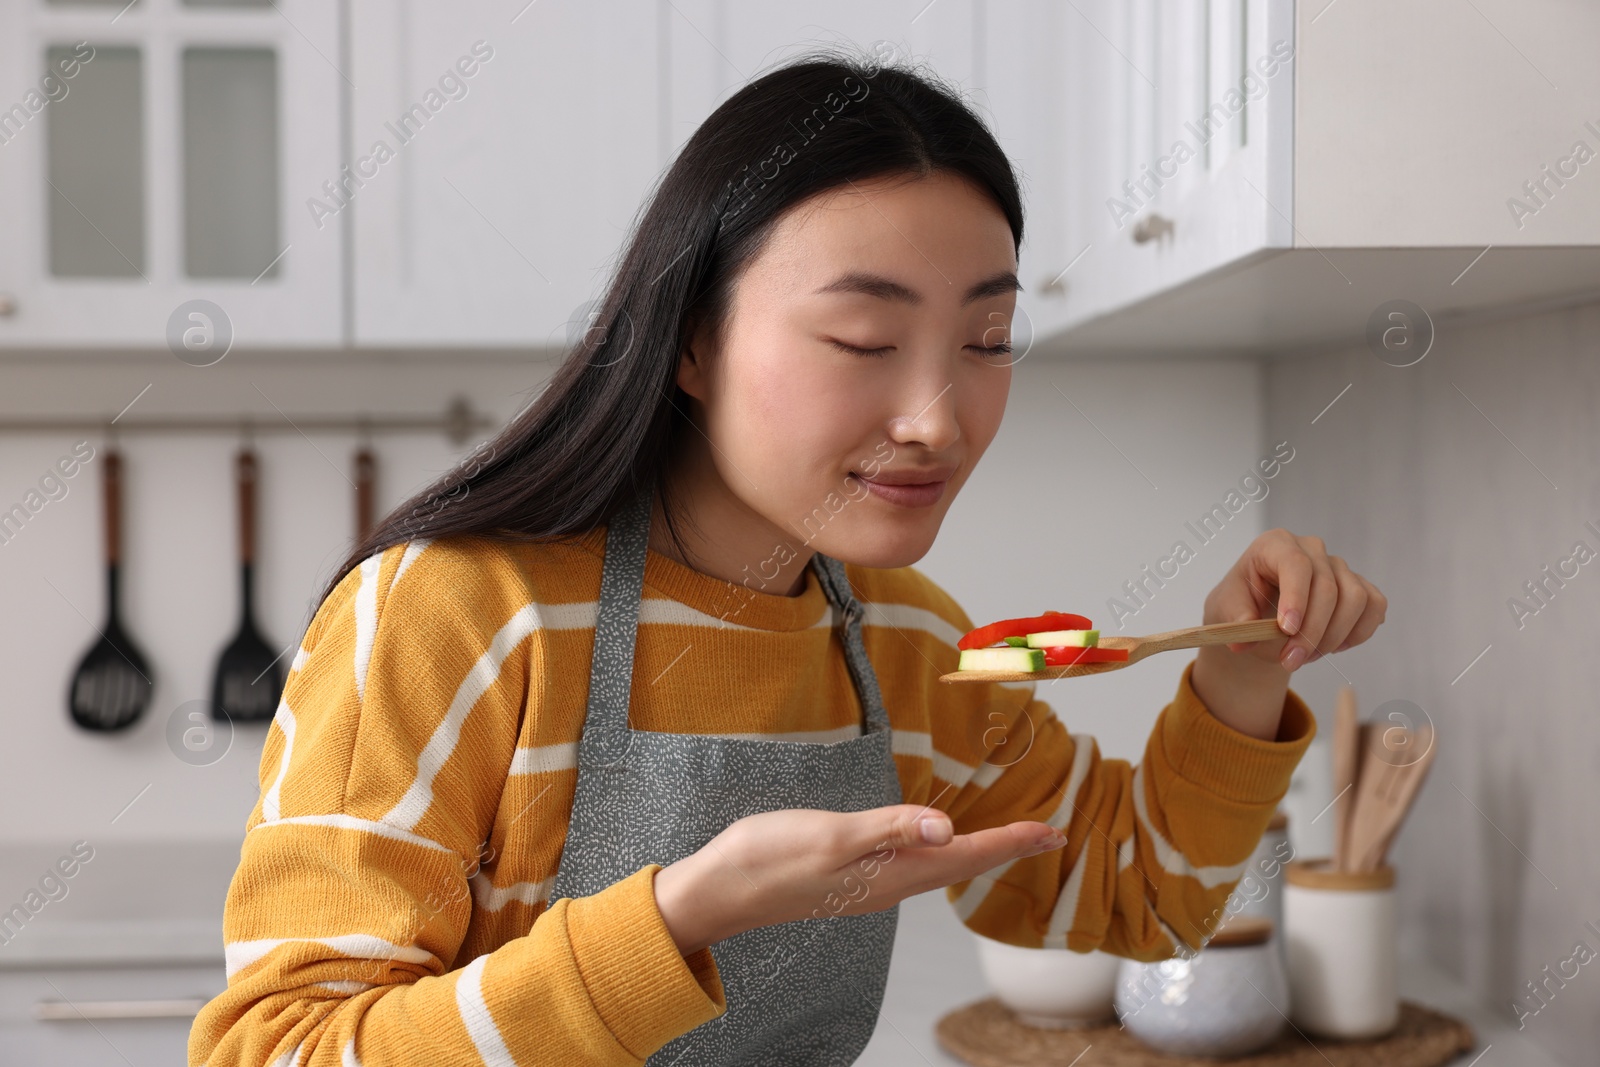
(935, 970)
(176, 890)
(131, 902)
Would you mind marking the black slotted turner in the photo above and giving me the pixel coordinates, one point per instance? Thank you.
(112, 685)
(248, 679)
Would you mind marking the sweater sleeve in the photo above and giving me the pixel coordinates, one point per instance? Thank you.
(380, 779)
(1153, 851)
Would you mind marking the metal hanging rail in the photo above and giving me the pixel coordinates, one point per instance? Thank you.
(458, 422)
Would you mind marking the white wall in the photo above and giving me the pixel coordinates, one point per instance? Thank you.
(59, 783)
(1451, 483)
(1093, 475)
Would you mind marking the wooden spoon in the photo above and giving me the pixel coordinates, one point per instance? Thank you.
(1388, 801)
(1372, 783)
(1346, 749)
(1220, 633)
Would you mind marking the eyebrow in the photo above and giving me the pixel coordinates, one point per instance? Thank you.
(888, 289)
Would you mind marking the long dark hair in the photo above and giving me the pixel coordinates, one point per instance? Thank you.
(607, 423)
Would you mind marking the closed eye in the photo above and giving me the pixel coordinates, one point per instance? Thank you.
(1003, 349)
(853, 350)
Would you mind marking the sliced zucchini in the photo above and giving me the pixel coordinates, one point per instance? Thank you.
(1072, 638)
(1001, 659)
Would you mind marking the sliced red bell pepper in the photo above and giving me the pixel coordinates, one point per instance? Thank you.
(1073, 655)
(984, 636)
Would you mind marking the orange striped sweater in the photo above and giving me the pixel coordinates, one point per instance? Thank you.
(391, 903)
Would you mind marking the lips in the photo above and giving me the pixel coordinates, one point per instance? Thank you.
(930, 476)
(908, 488)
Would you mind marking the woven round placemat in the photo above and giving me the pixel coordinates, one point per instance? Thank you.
(987, 1034)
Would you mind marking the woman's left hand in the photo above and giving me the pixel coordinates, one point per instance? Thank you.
(1322, 605)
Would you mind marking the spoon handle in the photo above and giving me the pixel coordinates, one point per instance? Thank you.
(1346, 747)
(1218, 633)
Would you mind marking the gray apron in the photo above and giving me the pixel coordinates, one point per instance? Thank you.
(801, 992)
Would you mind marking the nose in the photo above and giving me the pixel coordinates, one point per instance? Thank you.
(930, 416)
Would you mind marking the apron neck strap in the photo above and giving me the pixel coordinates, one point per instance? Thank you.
(848, 614)
(617, 623)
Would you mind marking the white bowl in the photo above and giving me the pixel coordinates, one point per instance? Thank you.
(1224, 1001)
(1051, 988)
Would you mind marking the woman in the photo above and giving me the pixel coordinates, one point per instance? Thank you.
(624, 740)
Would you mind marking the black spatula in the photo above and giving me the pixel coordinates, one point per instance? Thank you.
(112, 685)
(249, 678)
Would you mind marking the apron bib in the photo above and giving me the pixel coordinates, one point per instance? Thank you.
(805, 992)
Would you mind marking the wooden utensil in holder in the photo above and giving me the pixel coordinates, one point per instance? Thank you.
(1377, 771)
(1395, 762)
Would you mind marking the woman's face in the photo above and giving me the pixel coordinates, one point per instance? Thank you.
(867, 341)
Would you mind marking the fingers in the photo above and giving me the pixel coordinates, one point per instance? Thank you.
(1352, 603)
(969, 855)
(1372, 616)
(1325, 605)
(896, 826)
(1284, 563)
(900, 826)
(901, 864)
(1319, 607)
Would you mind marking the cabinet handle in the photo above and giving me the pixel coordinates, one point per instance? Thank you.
(1150, 228)
(8, 305)
(82, 1010)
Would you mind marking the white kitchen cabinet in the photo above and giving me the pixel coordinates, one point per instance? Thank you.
(1367, 167)
(1081, 98)
(1004, 59)
(479, 224)
(717, 46)
(501, 151)
(87, 1017)
(167, 158)
(1177, 139)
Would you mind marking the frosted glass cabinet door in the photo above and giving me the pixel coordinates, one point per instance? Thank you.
(95, 158)
(156, 153)
(231, 223)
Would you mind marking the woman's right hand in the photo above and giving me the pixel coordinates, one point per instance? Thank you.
(795, 863)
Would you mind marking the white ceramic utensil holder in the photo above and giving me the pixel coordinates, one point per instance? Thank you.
(1340, 930)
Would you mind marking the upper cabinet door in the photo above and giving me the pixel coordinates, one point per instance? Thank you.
(500, 153)
(160, 152)
(1003, 59)
(1179, 142)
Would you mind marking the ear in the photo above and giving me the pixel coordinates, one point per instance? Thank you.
(693, 367)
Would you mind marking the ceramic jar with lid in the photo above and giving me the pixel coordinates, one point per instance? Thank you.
(1229, 999)
(1260, 888)
(1340, 929)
